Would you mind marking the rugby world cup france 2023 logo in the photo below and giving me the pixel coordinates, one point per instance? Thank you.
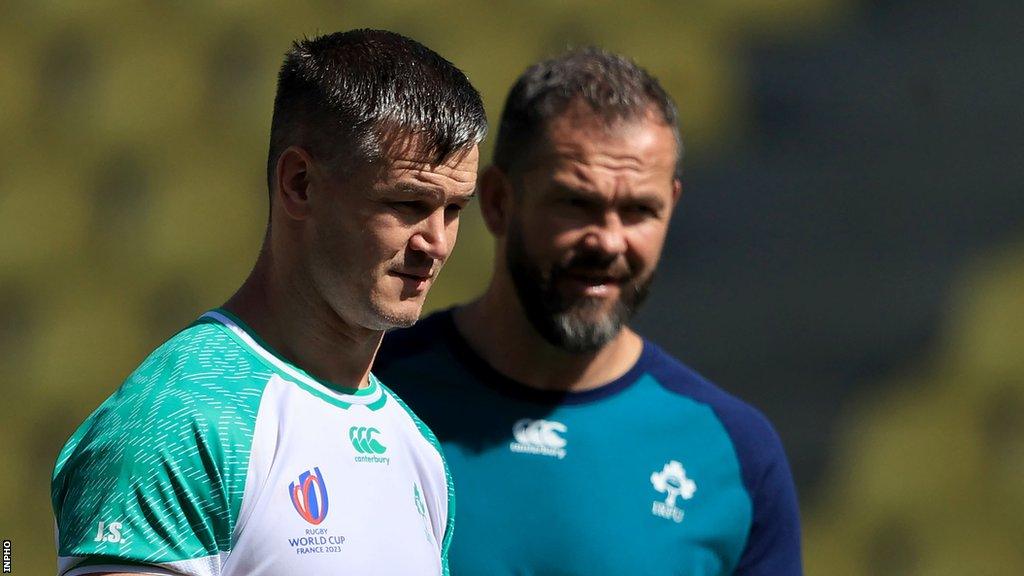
(309, 496)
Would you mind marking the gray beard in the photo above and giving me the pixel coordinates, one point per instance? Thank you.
(577, 330)
(575, 326)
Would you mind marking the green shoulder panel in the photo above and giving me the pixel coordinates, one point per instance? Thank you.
(157, 472)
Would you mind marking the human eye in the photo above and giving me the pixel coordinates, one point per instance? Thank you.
(575, 202)
(644, 210)
(408, 206)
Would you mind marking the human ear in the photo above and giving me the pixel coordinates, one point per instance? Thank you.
(495, 193)
(293, 182)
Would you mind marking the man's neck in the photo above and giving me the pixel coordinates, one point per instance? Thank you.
(305, 330)
(497, 329)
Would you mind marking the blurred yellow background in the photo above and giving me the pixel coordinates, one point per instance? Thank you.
(132, 198)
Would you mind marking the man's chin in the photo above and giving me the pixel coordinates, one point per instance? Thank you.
(583, 335)
(402, 315)
(592, 309)
(402, 321)
(588, 325)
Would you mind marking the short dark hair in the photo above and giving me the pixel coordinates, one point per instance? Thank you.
(347, 95)
(614, 87)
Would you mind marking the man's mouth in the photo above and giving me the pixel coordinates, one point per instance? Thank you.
(609, 275)
(416, 281)
(416, 276)
(593, 283)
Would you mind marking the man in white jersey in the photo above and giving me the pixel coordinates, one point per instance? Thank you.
(256, 441)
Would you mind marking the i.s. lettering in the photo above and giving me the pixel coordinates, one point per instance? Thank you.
(109, 533)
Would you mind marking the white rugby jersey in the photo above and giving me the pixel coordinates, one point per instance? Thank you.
(216, 457)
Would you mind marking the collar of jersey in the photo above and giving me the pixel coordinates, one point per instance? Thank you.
(493, 379)
(372, 396)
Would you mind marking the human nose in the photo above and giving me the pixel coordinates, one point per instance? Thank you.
(607, 236)
(431, 238)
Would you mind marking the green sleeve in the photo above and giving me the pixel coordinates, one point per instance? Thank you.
(156, 474)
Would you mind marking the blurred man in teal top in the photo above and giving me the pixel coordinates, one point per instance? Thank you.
(576, 445)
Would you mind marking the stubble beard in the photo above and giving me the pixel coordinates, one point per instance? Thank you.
(369, 310)
(388, 319)
(575, 325)
(363, 305)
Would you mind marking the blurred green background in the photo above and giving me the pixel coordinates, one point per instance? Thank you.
(848, 254)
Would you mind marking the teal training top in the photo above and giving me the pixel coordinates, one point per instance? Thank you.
(658, 472)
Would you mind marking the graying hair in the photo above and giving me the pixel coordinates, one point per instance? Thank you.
(615, 88)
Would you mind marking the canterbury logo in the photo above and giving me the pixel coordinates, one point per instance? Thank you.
(539, 437)
(363, 440)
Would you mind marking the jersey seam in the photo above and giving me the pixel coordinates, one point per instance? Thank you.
(431, 439)
(328, 396)
(741, 465)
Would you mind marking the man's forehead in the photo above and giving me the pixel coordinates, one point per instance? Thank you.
(417, 175)
(640, 146)
(412, 162)
(578, 124)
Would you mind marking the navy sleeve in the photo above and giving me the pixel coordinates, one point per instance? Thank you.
(773, 545)
(773, 542)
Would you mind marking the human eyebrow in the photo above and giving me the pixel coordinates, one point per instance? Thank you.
(564, 191)
(465, 198)
(419, 191)
(649, 201)
(412, 192)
